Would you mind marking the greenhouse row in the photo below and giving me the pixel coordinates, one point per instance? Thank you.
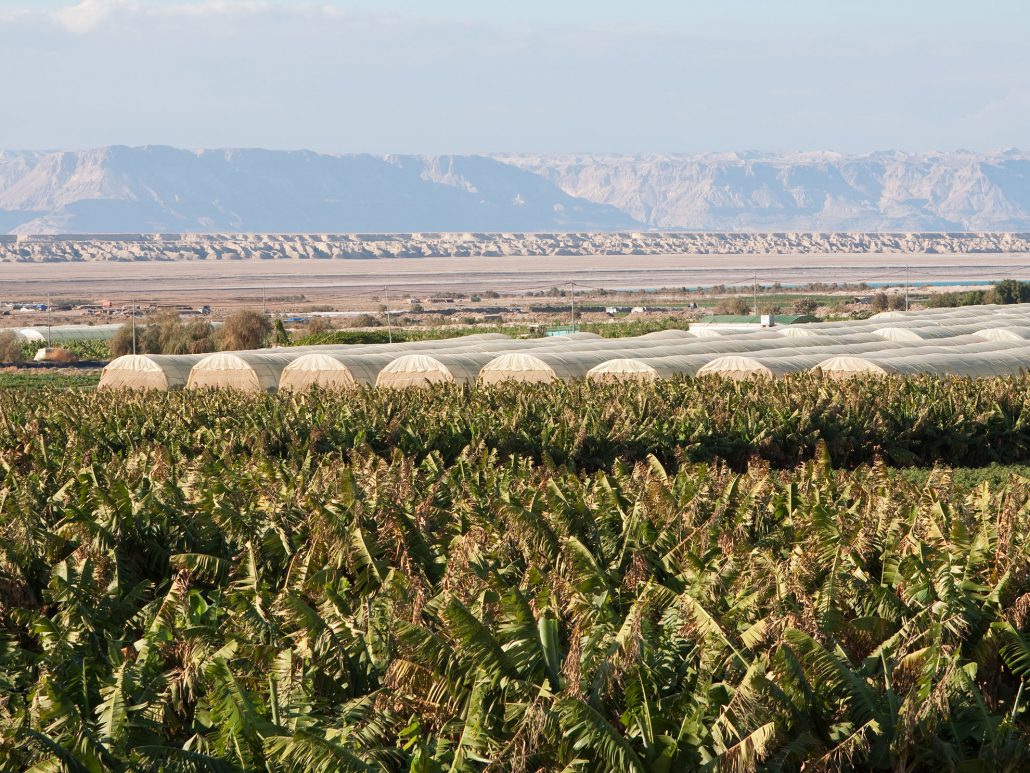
(969, 341)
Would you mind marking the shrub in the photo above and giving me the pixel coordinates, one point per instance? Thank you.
(317, 326)
(805, 306)
(737, 306)
(164, 333)
(952, 300)
(362, 320)
(244, 330)
(11, 347)
(121, 343)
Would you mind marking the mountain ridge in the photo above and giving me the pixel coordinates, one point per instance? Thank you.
(164, 189)
(160, 189)
(802, 191)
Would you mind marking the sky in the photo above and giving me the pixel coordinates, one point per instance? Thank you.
(561, 76)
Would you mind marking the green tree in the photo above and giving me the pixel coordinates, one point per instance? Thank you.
(1011, 291)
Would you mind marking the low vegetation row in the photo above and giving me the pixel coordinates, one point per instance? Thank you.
(167, 333)
(617, 329)
(1004, 292)
(904, 422)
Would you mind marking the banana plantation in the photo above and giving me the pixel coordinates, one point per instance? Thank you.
(686, 575)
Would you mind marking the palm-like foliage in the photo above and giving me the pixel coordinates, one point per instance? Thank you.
(209, 582)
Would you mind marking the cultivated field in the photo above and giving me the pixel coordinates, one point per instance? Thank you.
(685, 575)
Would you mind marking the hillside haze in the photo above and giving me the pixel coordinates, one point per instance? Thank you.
(822, 191)
(160, 189)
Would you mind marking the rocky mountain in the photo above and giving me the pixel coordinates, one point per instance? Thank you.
(161, 189)
(819, 191)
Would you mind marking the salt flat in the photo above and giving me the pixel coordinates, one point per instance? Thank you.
(339, 278)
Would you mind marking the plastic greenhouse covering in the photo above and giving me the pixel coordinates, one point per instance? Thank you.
(972, 341)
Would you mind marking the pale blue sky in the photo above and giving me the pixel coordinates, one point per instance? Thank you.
(530, 76)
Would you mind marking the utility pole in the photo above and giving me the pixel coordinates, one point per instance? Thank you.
(48, 304)
(906, 287)
(389, 322)
(573, 306)
(756, 296)
(264, 312)
(132, 314)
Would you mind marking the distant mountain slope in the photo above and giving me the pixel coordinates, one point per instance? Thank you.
(162, 189)
(888, 191)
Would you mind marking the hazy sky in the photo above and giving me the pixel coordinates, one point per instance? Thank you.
(529, 76)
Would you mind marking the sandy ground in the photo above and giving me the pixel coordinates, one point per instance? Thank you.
(199, 282)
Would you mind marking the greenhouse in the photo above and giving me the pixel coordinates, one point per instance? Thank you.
(666, 335)
(1004, 363)
(689, 364)
(245, 371)
(345, 367)
(923, 333)
(418, 370)
(333, 370)
(714, 331)
(537, 365)
(740, 367)
(540, 367)
(148, 371)
(55, 333)
(1014, 334)
(625, 369)
(934, 338)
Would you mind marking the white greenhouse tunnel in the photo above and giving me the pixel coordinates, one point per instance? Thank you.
(974, 341)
